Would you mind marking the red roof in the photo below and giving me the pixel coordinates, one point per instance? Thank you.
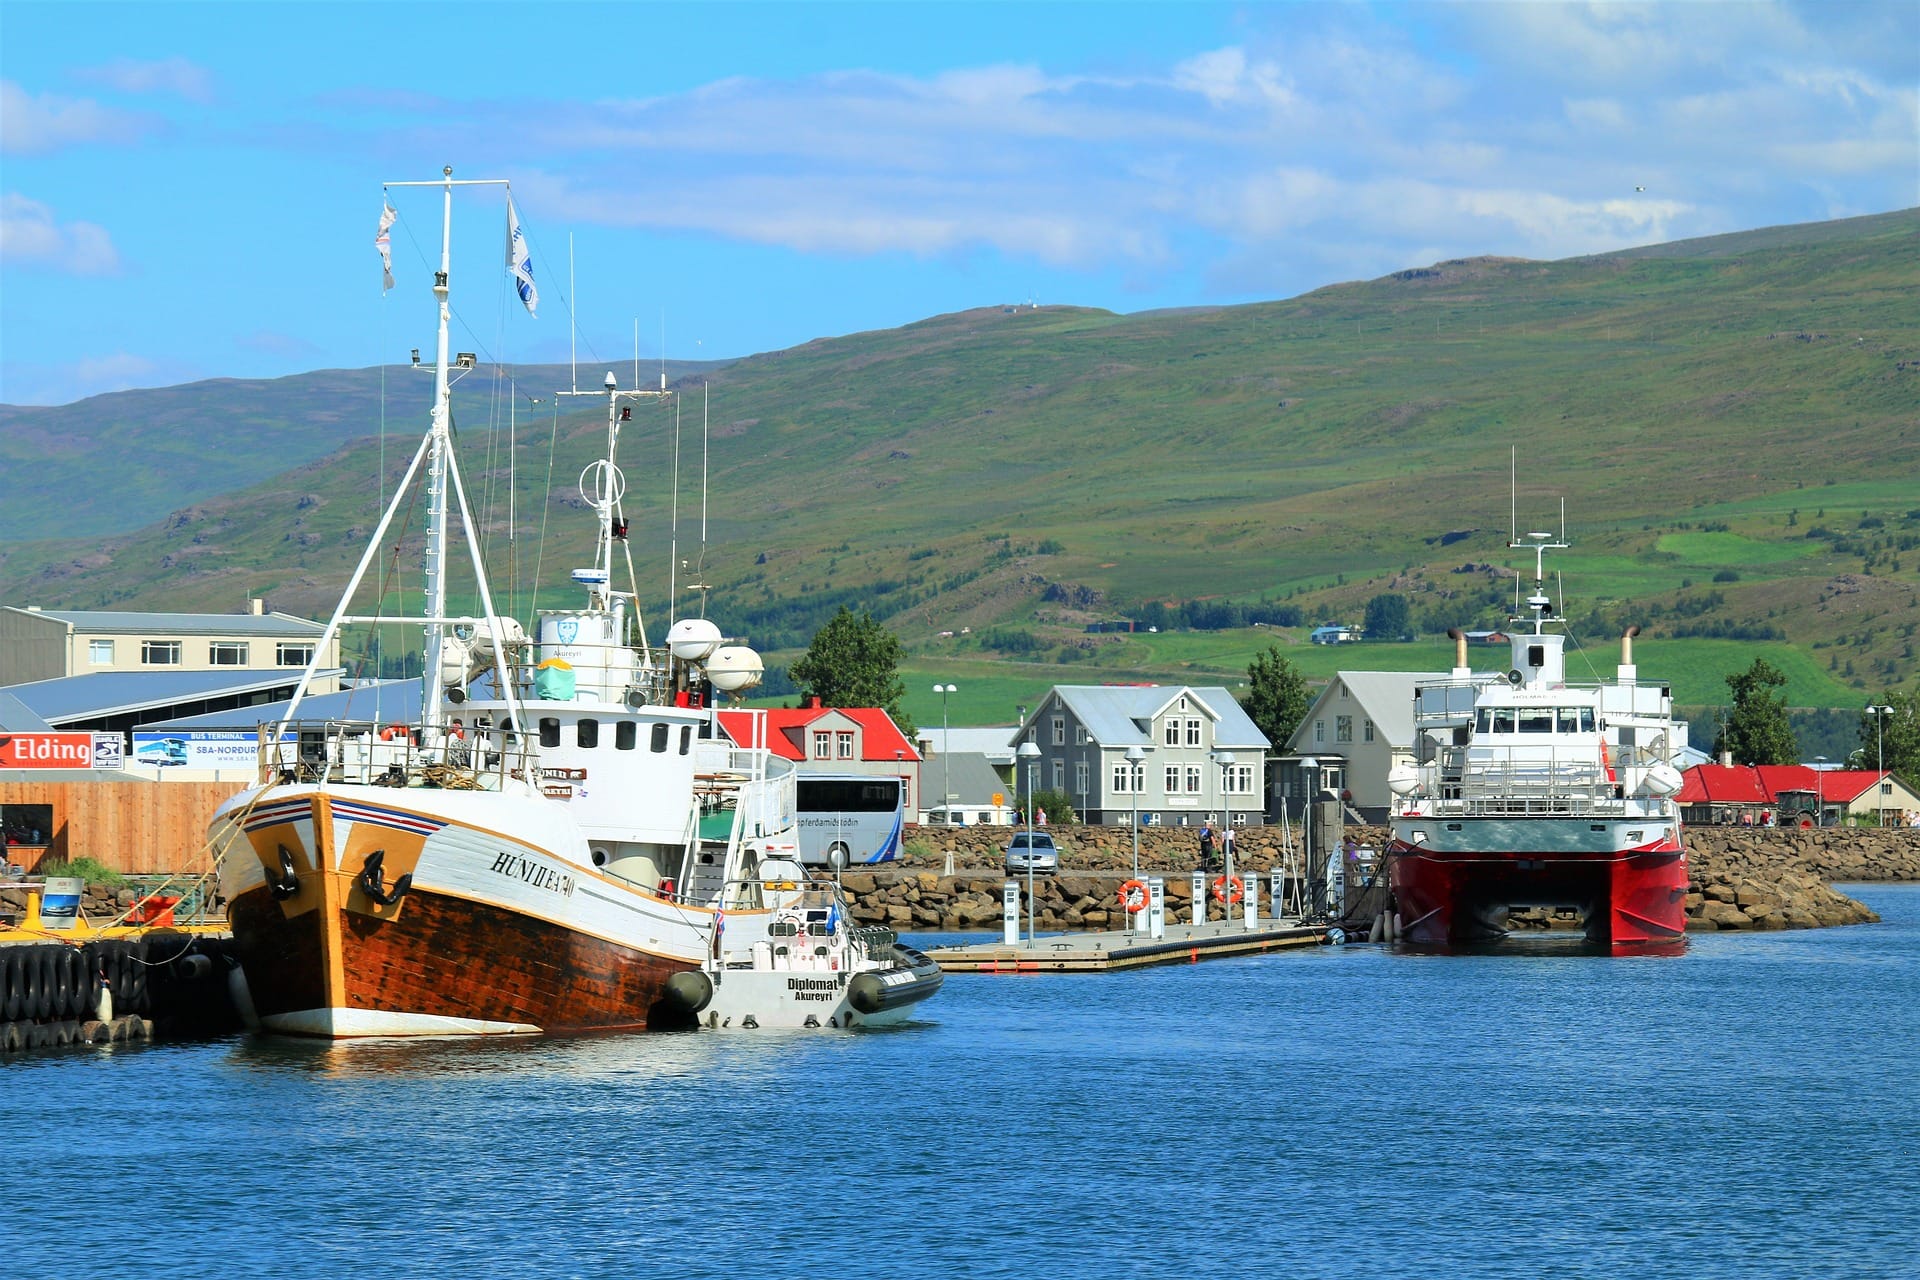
(880, 737)
(1762, 784)
(1724, 784)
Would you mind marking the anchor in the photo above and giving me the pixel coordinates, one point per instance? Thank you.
(284, 882)
(373, 880)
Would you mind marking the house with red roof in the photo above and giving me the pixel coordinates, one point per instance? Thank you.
(840, 740)
(1794, 794)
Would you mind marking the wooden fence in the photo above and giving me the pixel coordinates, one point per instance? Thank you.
(140, 828)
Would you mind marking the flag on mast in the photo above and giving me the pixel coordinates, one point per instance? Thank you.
(384, 243)
(519, 261)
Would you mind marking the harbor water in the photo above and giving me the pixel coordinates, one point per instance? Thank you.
(1748, 1108)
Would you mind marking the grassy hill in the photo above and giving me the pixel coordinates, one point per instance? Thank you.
(1731, 423)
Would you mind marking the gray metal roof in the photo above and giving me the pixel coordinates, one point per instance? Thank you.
(1386, 697)
(17, 717)
(387, 699)
(155, 624)
(967, 774)
(995, 742)
(106, 693)
(1122, 715)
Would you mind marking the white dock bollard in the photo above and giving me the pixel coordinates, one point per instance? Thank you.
(1199, 897)
(1156, 907)
(1010, 912)
(1252, 905)
(1276, 890)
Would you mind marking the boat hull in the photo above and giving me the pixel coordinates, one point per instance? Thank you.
(1630, 897)
(493, 933)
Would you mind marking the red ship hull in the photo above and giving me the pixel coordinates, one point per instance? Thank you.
(1630, 899)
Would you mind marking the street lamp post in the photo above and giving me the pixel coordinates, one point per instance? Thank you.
(1879, 761)
(1310, 765)
(1820, 791)
(946, 770)
(1136, 776)
(1031, 754)
(1225, 760)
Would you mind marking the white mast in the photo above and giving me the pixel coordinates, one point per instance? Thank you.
(436, 578)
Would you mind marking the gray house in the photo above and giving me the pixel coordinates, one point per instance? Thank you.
(1203, 761)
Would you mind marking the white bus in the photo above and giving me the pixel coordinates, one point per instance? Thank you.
(846, 819)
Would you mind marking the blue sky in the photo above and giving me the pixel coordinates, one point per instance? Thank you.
(191, 190)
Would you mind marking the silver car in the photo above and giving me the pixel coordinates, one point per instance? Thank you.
(1033, 851)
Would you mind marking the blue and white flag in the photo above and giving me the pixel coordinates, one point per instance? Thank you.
(520, 261)
(384, 243)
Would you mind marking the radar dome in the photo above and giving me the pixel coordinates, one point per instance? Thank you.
(692, 639)
(734, 668)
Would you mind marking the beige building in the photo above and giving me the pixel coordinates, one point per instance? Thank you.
(1359, 727)
(52, 644)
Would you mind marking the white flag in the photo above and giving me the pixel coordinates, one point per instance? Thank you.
(384, 243)
(519, 261)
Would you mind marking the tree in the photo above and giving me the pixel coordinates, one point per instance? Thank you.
(854, 662)
(1388, 617)
(1756, 729)
(1896, 738)
(1276, 699)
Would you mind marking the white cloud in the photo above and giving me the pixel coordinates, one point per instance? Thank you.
(175, 76)
(30, 235)
(32, 123)
(28, 383)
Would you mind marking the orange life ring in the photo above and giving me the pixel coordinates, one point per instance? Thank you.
(393, 732)
(1220, 893)
(1133, 896)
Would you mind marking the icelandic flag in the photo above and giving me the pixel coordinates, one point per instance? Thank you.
(384, 243)
(520, 261)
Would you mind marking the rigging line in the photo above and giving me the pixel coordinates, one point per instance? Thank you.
(673, 537)
(540, 552)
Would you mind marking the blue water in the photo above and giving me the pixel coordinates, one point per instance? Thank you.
(1746, 1109)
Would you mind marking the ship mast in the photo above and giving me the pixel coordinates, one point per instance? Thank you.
(441, 436)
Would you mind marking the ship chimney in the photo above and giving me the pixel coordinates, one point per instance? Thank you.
(1629, 674)
(1459, 639)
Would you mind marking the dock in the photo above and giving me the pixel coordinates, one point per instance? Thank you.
(1112, 950)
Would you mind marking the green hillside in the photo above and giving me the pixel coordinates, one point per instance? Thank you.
(1730, 422)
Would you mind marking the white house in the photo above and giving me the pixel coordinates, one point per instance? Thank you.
(1359, 727)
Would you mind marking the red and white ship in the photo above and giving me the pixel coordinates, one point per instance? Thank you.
(1531, 791)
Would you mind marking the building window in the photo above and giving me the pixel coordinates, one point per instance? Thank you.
(1343, 728)
(1122, 784)
(1080, 777)
(1886, 788)
(1059, 731)
(1319, 730)
(227, 653)
(843, 745)
(1367, 731)
(100, 652)
(1241, 783)
(587, 733)
(1172, 735)
(292, 655)
(160, 653)
(626, 735)
(1172, 779)
(1080, 736)
(1193, 779)
(1059, 775)
(1193, 733)
(822, 745)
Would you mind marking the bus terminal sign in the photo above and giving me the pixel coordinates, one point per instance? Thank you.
(47, 751)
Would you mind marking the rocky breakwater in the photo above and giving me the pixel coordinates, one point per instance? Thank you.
(909, 900)
(1745, 878)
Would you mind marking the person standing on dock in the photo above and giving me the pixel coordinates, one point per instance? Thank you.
(1206, 846)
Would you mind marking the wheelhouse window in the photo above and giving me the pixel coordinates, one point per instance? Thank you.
(587, 733)
(1536, 719)
(100, 653)
(287, 654)
(626, 736)
(227, 653)
(160, 653)
(549, 731)
(657, 741)
(686, 739)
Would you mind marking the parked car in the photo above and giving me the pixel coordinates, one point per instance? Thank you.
(1032, 851)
